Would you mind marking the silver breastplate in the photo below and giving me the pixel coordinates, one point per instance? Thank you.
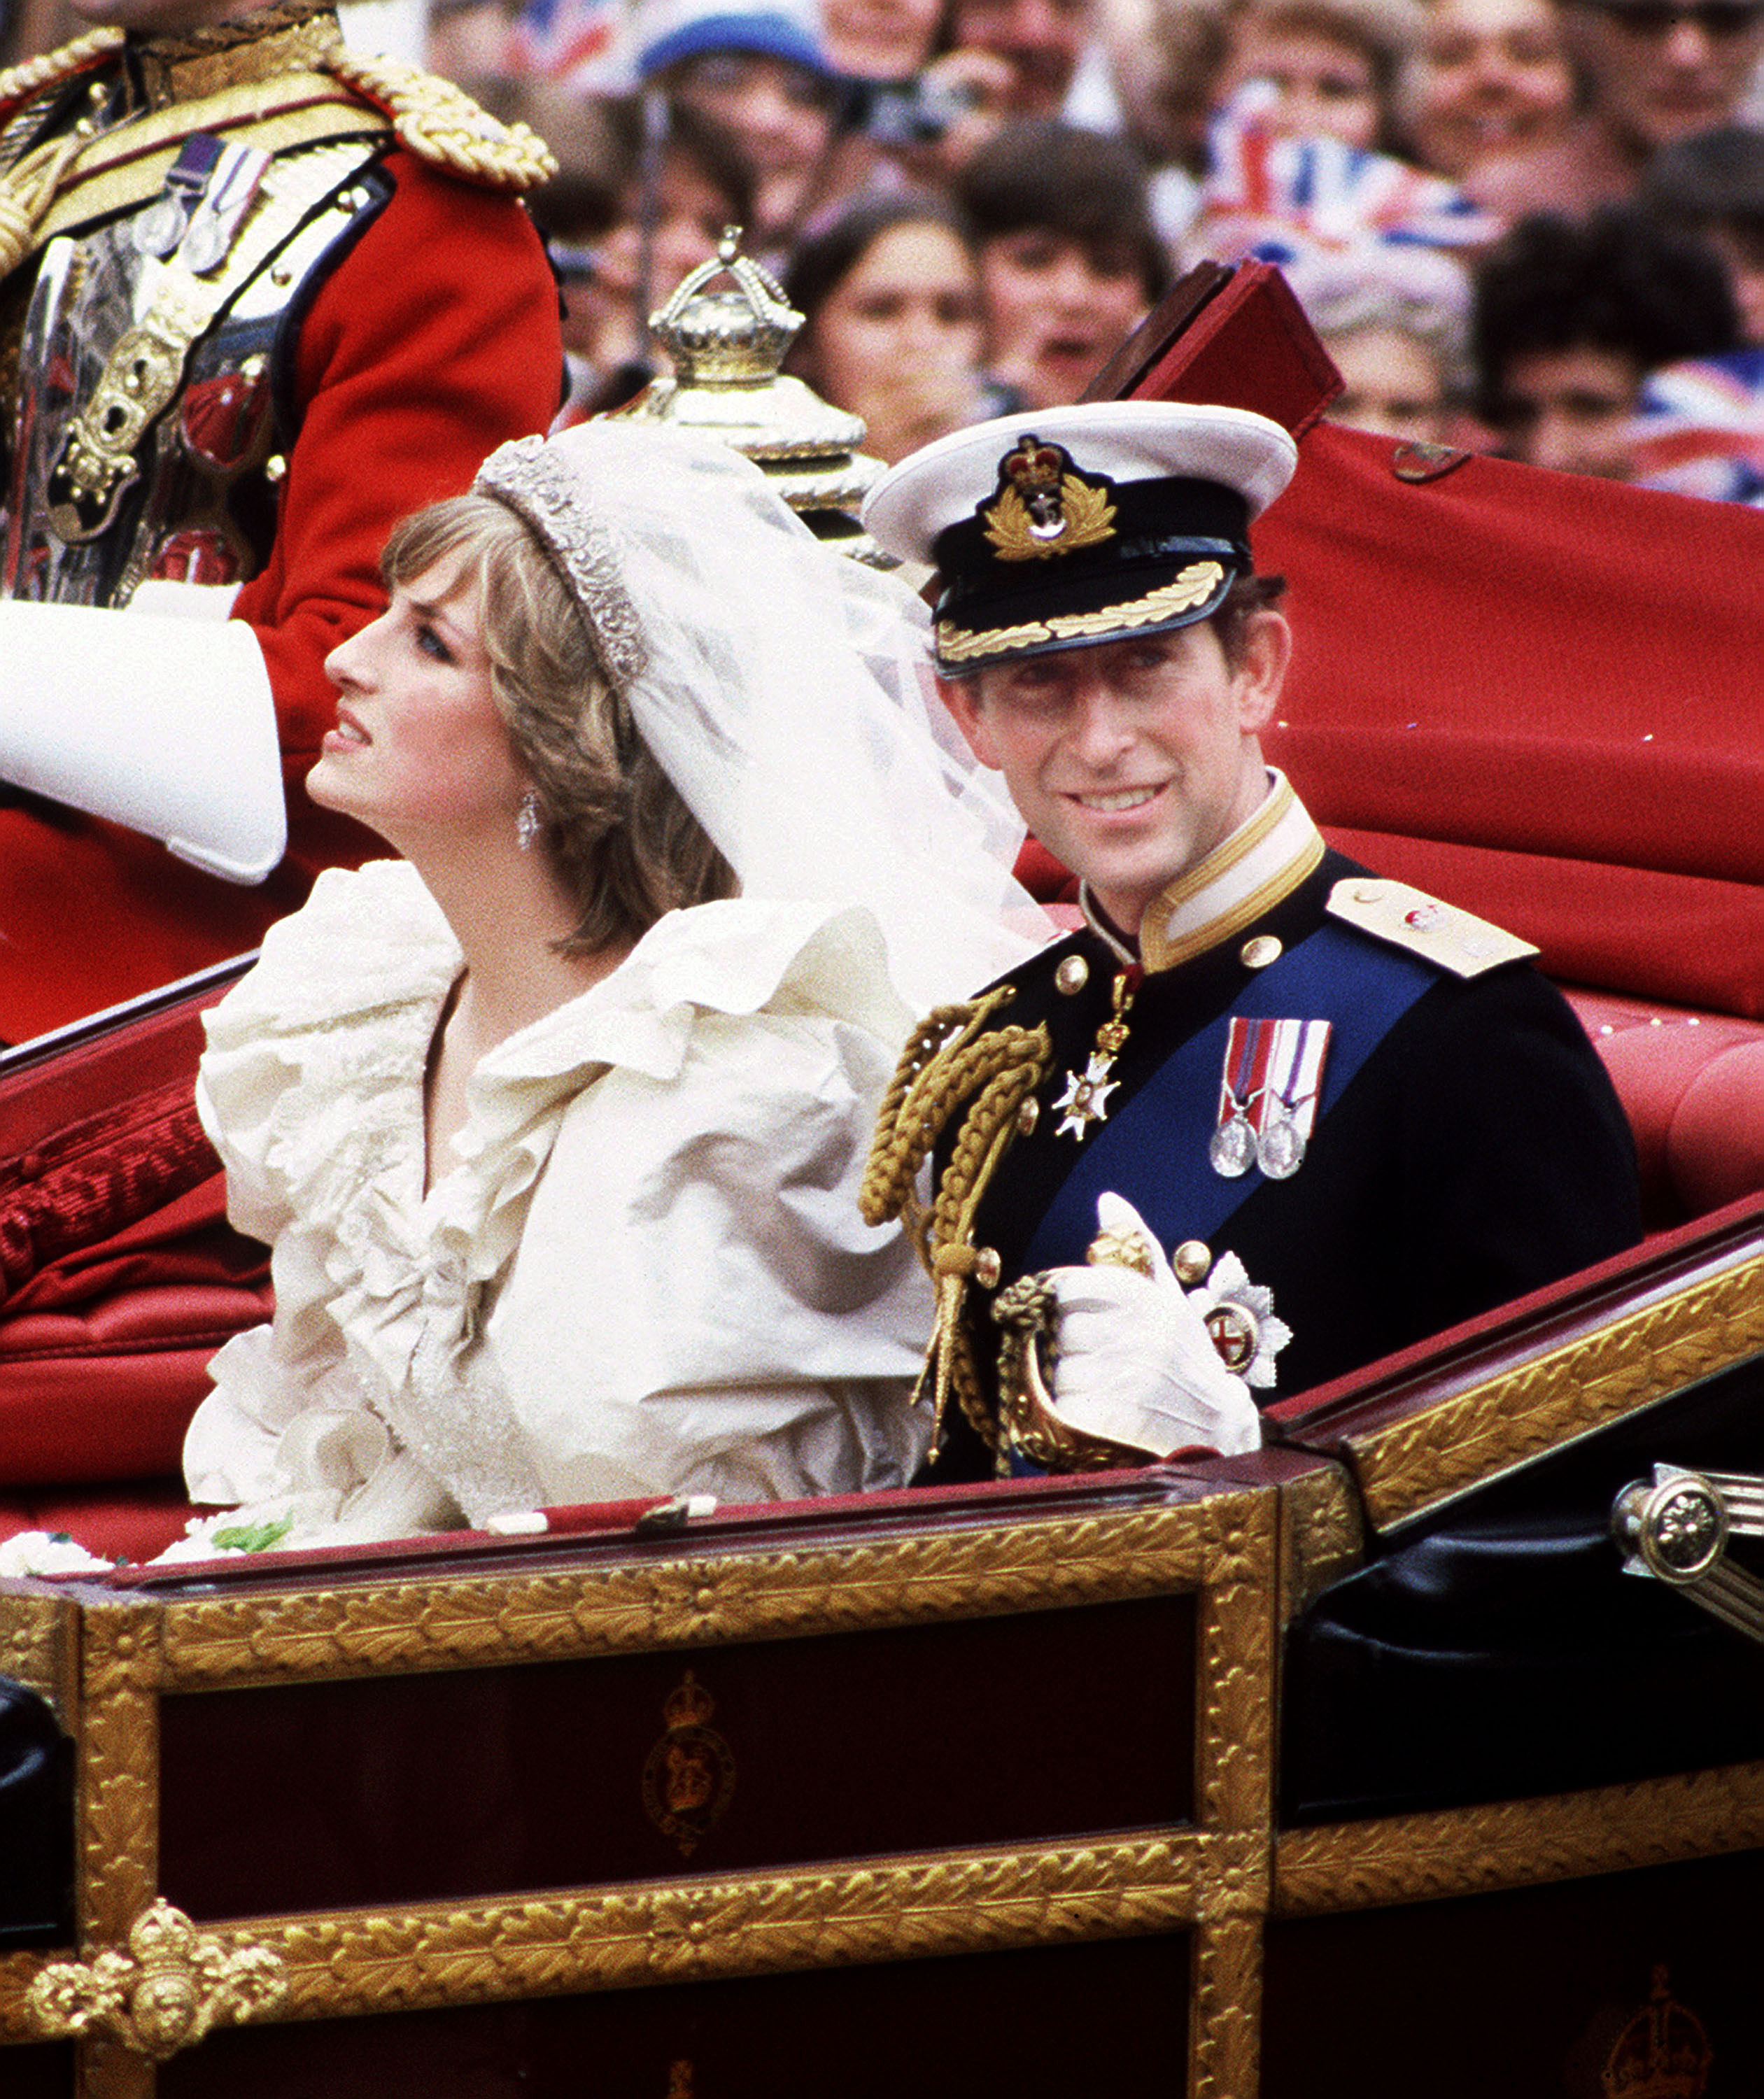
(188, 491)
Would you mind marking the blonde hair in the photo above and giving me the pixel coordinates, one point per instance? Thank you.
(625, 845)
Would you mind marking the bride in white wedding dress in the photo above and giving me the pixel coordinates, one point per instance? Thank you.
(555, 1124)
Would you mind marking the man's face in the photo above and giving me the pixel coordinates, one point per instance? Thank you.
(1042, 40)
(1573, 410)
(1661, 70)
(1130, 761)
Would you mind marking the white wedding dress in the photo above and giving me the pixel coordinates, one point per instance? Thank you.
(642, 1272)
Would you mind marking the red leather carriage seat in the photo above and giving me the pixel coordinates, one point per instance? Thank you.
(119, 1278)
(1692, 1085)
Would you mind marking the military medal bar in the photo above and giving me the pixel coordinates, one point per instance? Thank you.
(1268, 1096)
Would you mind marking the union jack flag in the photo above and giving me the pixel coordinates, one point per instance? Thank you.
(1265, 189)
(1700, 428)
(569, 41)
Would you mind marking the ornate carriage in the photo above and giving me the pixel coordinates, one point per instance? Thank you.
(1424, 1749)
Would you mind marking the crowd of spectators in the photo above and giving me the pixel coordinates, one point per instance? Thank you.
(1529, 226)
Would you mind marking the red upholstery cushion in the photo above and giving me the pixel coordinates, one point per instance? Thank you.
(1692, 1085)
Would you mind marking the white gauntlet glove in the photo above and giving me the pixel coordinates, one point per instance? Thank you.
(1136, 1362)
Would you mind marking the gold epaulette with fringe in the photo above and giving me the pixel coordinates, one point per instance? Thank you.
(24, 84)
(441, 124)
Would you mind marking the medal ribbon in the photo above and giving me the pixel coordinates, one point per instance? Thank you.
(1294, 1063)
(1153, 1150)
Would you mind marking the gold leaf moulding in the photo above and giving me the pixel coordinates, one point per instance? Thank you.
(1443, 1451)
(1519, 1843)
(441, 1624)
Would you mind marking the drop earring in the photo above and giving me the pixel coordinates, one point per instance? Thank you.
(528, 823)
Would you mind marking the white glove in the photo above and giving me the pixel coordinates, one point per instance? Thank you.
(1136, 1362)
(165, 724)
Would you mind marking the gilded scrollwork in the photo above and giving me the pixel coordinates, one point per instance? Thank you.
(118, 1804)
(1225, 2000)
(1415, 1858)
(344, 1963)
(733, 1595)
(1446, 1449)
(171, 1987)
(1237, 1653)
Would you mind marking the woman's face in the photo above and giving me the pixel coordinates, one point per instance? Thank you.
(419, 751)
(1392, 385)
(1492, 78)
(912, 299)
(1325, 87)
(879, 39)
(1056, 310)
(779, 114)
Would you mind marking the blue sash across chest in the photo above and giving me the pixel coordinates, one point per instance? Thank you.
(1153, 1150)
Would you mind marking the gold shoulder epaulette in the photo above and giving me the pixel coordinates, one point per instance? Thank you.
(442, 124)
(1457, 940)
(25, 83)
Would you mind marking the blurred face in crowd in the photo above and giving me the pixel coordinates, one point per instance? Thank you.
(1326, 85)
(912, 298)
(1041, 42)
(898, 339)
(779, 114)
(1492, 78)
(691, 211)
(1571, 409)
(1056, 310)
(1740, 243)
(1665, 69)
(879, 39)
(1393, 385)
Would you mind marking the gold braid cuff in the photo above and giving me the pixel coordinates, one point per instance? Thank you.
(950, 1062)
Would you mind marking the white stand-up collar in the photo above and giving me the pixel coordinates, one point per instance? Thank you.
(1264, 859)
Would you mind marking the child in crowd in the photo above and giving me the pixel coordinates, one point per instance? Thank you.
(1070, 260)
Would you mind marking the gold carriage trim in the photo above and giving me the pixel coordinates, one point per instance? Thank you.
(1192, 586)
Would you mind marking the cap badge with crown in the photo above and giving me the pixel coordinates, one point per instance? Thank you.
(1045, 506)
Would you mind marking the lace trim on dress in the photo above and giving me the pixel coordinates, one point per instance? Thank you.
(526, 475)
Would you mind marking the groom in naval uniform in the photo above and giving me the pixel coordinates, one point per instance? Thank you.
(1267, 1114)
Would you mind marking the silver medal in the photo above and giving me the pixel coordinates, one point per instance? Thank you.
(1280, 1150)
(206, 242)
(159, 228)
(1232, 1150)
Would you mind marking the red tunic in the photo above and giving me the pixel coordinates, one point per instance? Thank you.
(436, 338)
